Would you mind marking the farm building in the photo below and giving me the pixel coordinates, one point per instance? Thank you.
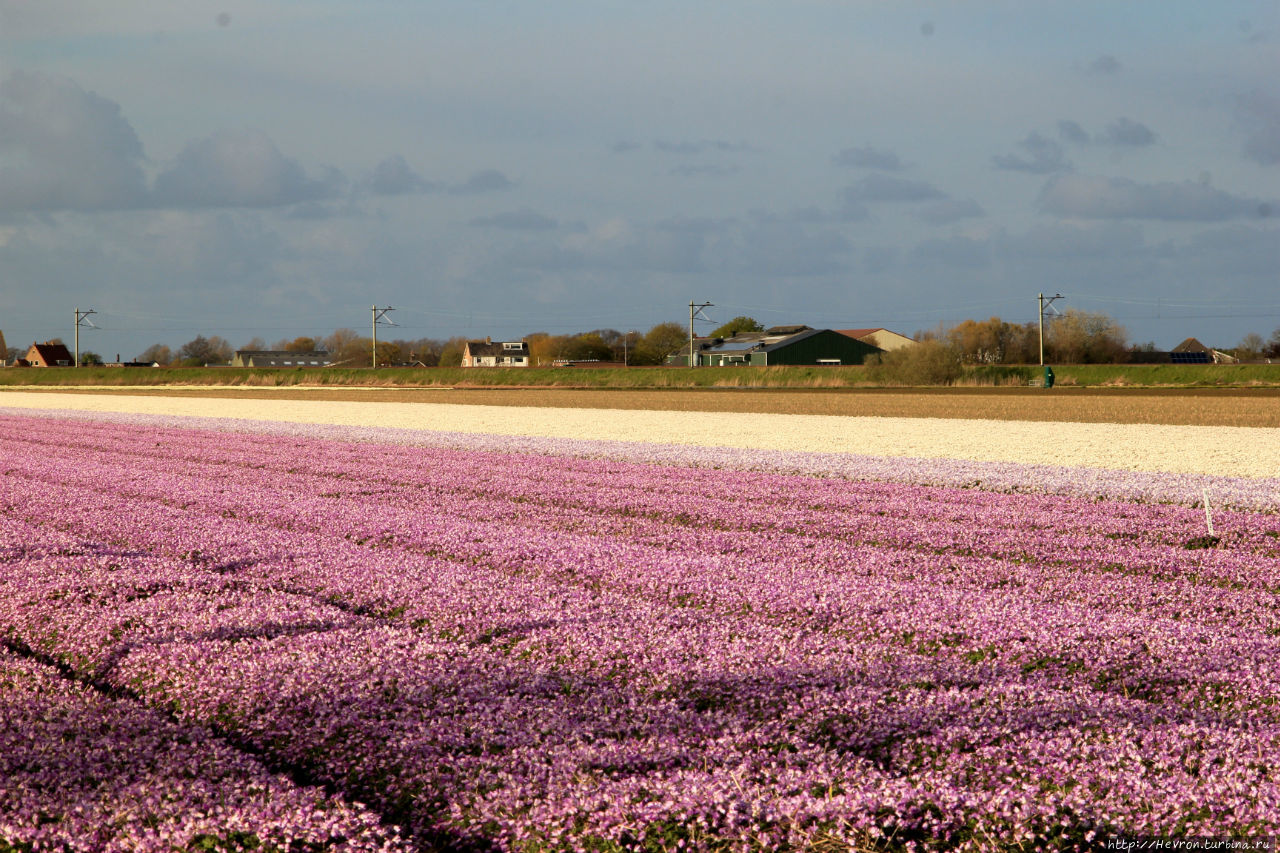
(490, 353)
(777, 345)
(881, 338)
(49, 354)
(280, 358)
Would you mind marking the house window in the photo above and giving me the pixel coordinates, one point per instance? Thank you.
(828, 361)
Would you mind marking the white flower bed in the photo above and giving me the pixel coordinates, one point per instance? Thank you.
(1219, 451)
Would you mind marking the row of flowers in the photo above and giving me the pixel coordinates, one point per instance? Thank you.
(549, 651)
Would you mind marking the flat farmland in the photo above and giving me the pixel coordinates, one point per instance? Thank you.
(276, 621)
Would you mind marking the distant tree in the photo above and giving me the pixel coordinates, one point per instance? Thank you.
(425, 350)
(1251, 347)
(157, 353)
(255, 343)
(90, 358)
(624, 348)
(347, 348)
(587, 346)
(737, 324)
(1146, 346)
(1273, 345)
(933, 361)
(201, 350)
(659, 342)
(545, 349)
(389, 353)
(302, 344)
(12, 354)
(451, 352)
(1082, 337)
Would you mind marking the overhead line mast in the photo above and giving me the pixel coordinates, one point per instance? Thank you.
(695, 311)
(379, 316)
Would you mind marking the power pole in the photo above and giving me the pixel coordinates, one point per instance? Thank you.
(695, 311)
(379, 316)
(1046, 303)
(82, 319)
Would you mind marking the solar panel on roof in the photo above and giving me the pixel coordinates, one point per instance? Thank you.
(1190, 357)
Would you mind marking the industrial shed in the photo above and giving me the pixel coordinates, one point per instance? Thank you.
(281, 358)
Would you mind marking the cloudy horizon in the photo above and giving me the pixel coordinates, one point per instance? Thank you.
(271, 169)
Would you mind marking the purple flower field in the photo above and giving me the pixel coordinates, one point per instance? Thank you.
(280, 640)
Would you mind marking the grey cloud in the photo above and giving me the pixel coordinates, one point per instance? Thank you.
(667, 248)
(699, 146)
(950, 210)
(311, 210)
(1044, 156)
(546, 257)
(1072, 132)
(69, 149)
(696, 224)
(791, 249)
(1119, 198)
(707, 170)
(868, 158)
(490, 180)
(1126, 131)
(1105, 64)
(517, 220)
(954, 252)
(1259, 114)
(238, 169)
(394, 176)
(1234, 249)
(665, 251)
(1068, 242)
(879, 259)
(885, 188)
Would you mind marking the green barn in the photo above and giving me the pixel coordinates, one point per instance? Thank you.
(778, 345)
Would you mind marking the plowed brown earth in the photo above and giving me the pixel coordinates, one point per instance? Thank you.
(1191, 406)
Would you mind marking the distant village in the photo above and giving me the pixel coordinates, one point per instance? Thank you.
(1073, 337)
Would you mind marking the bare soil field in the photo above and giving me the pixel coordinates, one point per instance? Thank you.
(1241, 407)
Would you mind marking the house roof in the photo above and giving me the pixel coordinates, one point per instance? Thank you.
(744, 342)
(1190, 345)
(51, 353)
(282, 358)
(858, 333)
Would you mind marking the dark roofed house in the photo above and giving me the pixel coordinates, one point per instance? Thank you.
(49, 354)
(1191, 351)
(280, 358)
(490, 353)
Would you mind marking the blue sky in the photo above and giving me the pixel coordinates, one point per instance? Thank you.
(271, 169)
